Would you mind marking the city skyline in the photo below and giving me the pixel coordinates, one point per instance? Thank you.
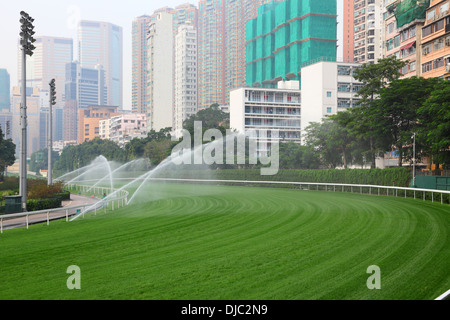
(60, 19)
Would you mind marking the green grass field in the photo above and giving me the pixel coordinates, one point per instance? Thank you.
(224, 242)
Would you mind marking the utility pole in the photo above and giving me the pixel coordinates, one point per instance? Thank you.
(52, 97)
(26, 43)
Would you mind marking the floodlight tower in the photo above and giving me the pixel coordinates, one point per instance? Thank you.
(52, 96)
(26, 43)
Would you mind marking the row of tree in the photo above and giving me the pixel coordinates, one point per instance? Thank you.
(391, 112)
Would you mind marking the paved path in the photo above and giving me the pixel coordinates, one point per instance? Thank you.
(39, 218)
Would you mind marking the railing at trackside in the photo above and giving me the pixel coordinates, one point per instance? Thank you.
(416, 193)
(121, 198)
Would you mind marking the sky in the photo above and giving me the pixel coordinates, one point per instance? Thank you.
(58, 18)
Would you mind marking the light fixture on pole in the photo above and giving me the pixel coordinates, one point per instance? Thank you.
(52, 102)
(26, 43)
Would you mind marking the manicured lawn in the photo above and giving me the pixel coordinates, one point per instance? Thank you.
(224, 242)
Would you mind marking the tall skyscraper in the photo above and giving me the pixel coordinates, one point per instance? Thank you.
(48, 62)
(33, 119)
(139, 64)
(101, 43)
(160, 72)
(5, 104)
(348, 31)
(84, 87)
(286, 35)
(368, 31)
(221, 48)
(5, 88)
(211, 64)
(185, 70)
(184, 13)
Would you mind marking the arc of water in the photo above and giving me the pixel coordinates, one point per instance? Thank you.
(84, 173)
(73, 172)
(144, 177)
(166, 162)
(111, 195)
(115, 170)
(109, 170)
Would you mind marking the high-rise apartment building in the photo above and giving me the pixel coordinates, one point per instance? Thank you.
(348, 30)
(287, 34)
(139, 64)
(221, 48)
(160, 72)
(403, 21)
(101, 43)
(436, 41)
(185, 70)
(48, 62)
(368, 31)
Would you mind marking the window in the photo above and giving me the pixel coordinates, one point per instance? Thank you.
(390, 28)
(343, 103)
(430, 14)
(444, 7)
(396, 41)
(328, 94)
(428, 66)
(343, 87)
(328, 109)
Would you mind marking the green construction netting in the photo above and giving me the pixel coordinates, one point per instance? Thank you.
(410, 10)
(278, 43)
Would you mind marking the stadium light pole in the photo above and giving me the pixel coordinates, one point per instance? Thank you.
(26, 43)
(52, 102)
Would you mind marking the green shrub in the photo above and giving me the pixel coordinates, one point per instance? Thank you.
(382, 177)
(42, 204)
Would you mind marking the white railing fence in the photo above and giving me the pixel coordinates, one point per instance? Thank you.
(120, 199)
(434, 195)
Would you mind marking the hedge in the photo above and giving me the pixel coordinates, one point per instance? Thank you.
(42, 204)
(384, 177)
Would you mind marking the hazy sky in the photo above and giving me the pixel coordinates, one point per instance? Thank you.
(58, 18)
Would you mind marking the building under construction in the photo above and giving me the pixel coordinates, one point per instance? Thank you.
(285, 35)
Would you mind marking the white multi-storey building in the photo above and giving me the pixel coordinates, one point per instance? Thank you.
(327, 87)
(267, 114)
(160, 72)
(185, 76)
(123, 128)
(368, 31)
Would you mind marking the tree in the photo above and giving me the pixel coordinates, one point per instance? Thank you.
(74, 157)
(395, 112)
(7, 154)
(331, 141)
(374, 77)
(434, 123)
(39, 160)
(158, 150)
(296, 156)
(211, 118)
